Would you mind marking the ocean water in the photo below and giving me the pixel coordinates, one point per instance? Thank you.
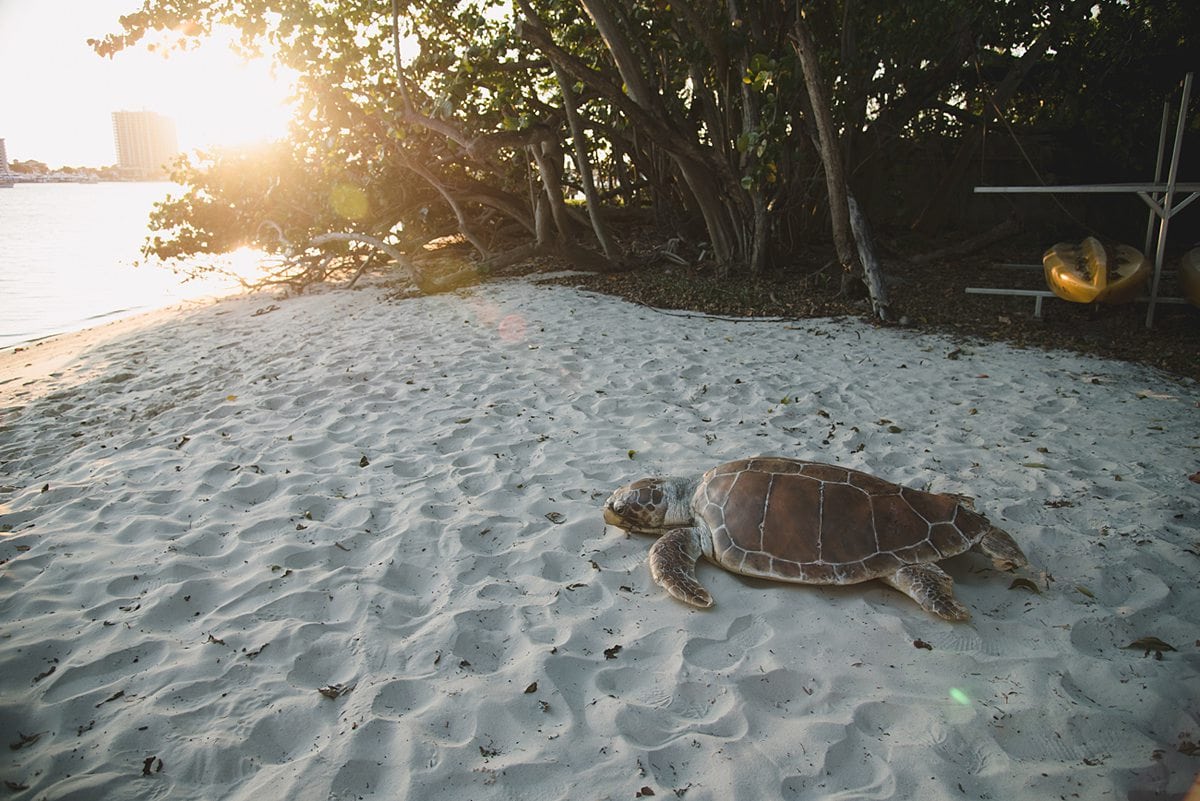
(67, 259)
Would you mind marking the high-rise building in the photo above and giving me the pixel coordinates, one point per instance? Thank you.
(145, 142)
(5, 175)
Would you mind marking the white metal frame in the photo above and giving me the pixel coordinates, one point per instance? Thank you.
(1160, 196)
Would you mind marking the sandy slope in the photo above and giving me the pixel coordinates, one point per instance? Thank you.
(211, 516)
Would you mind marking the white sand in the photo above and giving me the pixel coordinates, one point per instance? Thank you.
(210, 515)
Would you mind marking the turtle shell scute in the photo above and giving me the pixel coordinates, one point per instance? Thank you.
(934, 508)
(824, 524)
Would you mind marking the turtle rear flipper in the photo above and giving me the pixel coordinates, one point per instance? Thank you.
(931, 587)
(1003, 550)
(673, 565)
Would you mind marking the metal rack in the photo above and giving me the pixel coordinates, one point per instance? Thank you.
(1161, 196)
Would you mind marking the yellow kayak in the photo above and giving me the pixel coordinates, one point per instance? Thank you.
(1087, 273)
(1189, 276)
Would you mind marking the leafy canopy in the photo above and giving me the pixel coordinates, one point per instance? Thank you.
(534, 123)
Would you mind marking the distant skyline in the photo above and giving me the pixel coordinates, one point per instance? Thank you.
(57, 96)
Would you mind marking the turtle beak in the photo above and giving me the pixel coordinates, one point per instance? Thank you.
(611, 517)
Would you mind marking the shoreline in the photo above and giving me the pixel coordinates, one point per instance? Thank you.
(25, 364)
(72, 260)
(82, 326)
(343, 546)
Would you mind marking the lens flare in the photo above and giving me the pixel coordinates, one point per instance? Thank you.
(486, 313)
(958, 696)
(512, 328)
(349, 201)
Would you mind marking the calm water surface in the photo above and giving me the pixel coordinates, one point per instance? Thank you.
(67, 254)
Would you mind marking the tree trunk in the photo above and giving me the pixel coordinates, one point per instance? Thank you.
(847, 219)
(618, 45)
(464, 225)
(706, 194)
(827, 143)
(541, 220)
(706, 175)
(759, 248)
(584, 163)
(550, 168)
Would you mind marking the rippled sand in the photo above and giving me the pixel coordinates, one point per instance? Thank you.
(212, 514)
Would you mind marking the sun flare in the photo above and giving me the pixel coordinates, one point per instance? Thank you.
(216, 97)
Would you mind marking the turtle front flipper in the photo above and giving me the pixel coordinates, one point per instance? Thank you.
(673, 565)
(931, 587)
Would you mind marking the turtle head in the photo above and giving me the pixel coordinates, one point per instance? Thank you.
(651, 505)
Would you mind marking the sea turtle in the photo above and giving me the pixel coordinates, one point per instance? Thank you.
(808, 523)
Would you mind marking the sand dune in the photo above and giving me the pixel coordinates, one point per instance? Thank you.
(212, 515)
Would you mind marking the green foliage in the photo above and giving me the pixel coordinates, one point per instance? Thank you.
(694, 108)
(1105, 88)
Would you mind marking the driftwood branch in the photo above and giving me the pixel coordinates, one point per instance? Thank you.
(872, 272)
(379, 244)
(296, 255)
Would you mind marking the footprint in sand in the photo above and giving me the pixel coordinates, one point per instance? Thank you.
(103, 676)
(856, 766)
(686, 709)
(744, 634)
(398, 698)
(782, 693)
(486, 638)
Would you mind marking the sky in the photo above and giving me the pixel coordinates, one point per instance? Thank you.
(57, 96)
